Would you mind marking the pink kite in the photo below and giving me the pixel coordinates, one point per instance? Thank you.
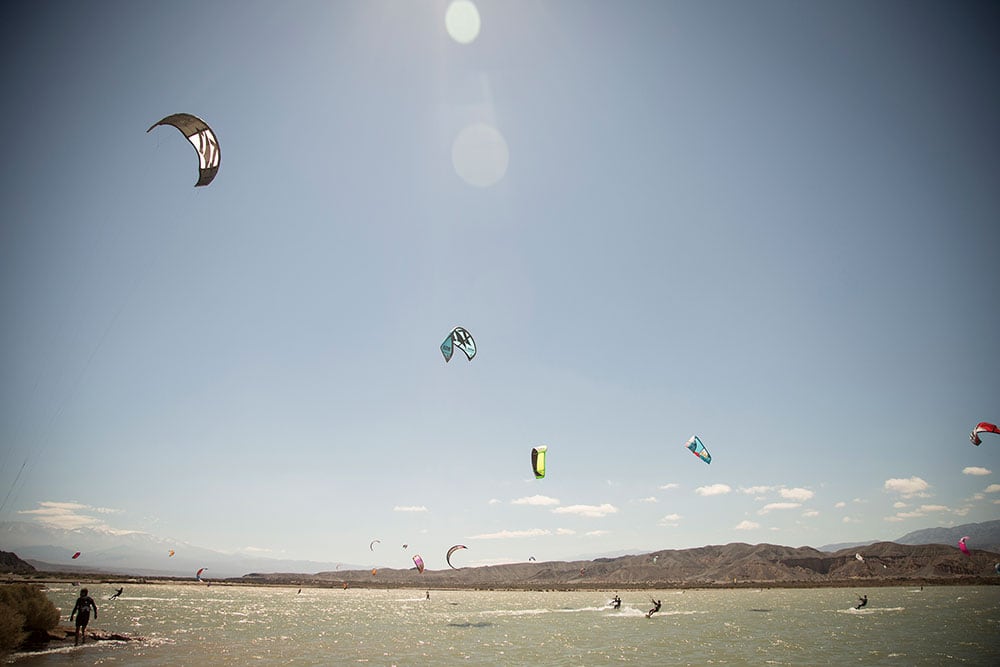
(76, 555)
(982, 427)
(961, 545)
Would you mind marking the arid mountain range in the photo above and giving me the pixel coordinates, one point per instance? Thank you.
(736, 564)
(927, 556)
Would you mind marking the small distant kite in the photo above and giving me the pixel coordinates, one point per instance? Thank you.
(997, 568)
(530, 558)
(406, 546)
(451, 551)
(374, 571)
(961, 545)
(859, 557)
(170, 553)
(461, 339)
(197, 575)
(371, 545)
(698, 449)
(982, 427)
(419, 562)
(538, 461)
(76, 555)
(202, 138)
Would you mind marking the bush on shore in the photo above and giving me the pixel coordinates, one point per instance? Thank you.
(24, 611)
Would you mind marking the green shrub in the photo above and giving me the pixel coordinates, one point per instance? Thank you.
(11, 629)
(24, 610)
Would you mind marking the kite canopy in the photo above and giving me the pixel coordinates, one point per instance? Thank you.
(538, 461)
(461, 339)
(371, 545)
(982, 427)
(170, 553)
(698, 449)
(197, 575)
(859, 557)
(76, 555)
(419, 562)
(451, 551)
(202, 138)
(961, 545)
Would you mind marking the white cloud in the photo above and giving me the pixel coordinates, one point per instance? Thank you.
(810, 514)
(797, 494)
(899, 504)
(848, 519)
(992, 488)
(596, 533)
(650, 499)
(512, 534)
(840, 505)
(756, 490)
(747, 525)
(565, 531)
(933, 508)
(495, 501)
(914, 486)
(778, 506)
(592, 511)
(72, 516)
(976, 470)
(535, 500)
(713, 490)
(670, 520)
(409, 508)
(667, 487)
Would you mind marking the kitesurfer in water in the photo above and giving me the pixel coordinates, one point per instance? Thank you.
(862, 601)
(616, 602)
(656, 607)
(81, 610)
(117, 594)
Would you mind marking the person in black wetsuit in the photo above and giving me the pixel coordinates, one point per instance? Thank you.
(116, 595)
(616, 602)
(862, 601)
(656, 607)
(81, 610)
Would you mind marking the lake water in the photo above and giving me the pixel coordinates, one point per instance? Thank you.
(240, 625)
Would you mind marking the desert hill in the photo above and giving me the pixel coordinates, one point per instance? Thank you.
(732, 564)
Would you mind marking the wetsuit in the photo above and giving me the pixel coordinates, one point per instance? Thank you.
(81, 610)
(656, 608)
(864, 601)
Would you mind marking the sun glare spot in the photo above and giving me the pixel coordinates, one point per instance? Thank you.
(462, 21)
(480, 155)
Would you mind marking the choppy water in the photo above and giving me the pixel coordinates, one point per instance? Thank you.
(235, 625)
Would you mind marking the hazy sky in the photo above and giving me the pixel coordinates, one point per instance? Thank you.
(771, 224)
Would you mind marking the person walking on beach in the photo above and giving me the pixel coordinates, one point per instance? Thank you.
(656, 608)
(81, 610)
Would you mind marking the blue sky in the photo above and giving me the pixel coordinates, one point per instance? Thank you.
(770, 224)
